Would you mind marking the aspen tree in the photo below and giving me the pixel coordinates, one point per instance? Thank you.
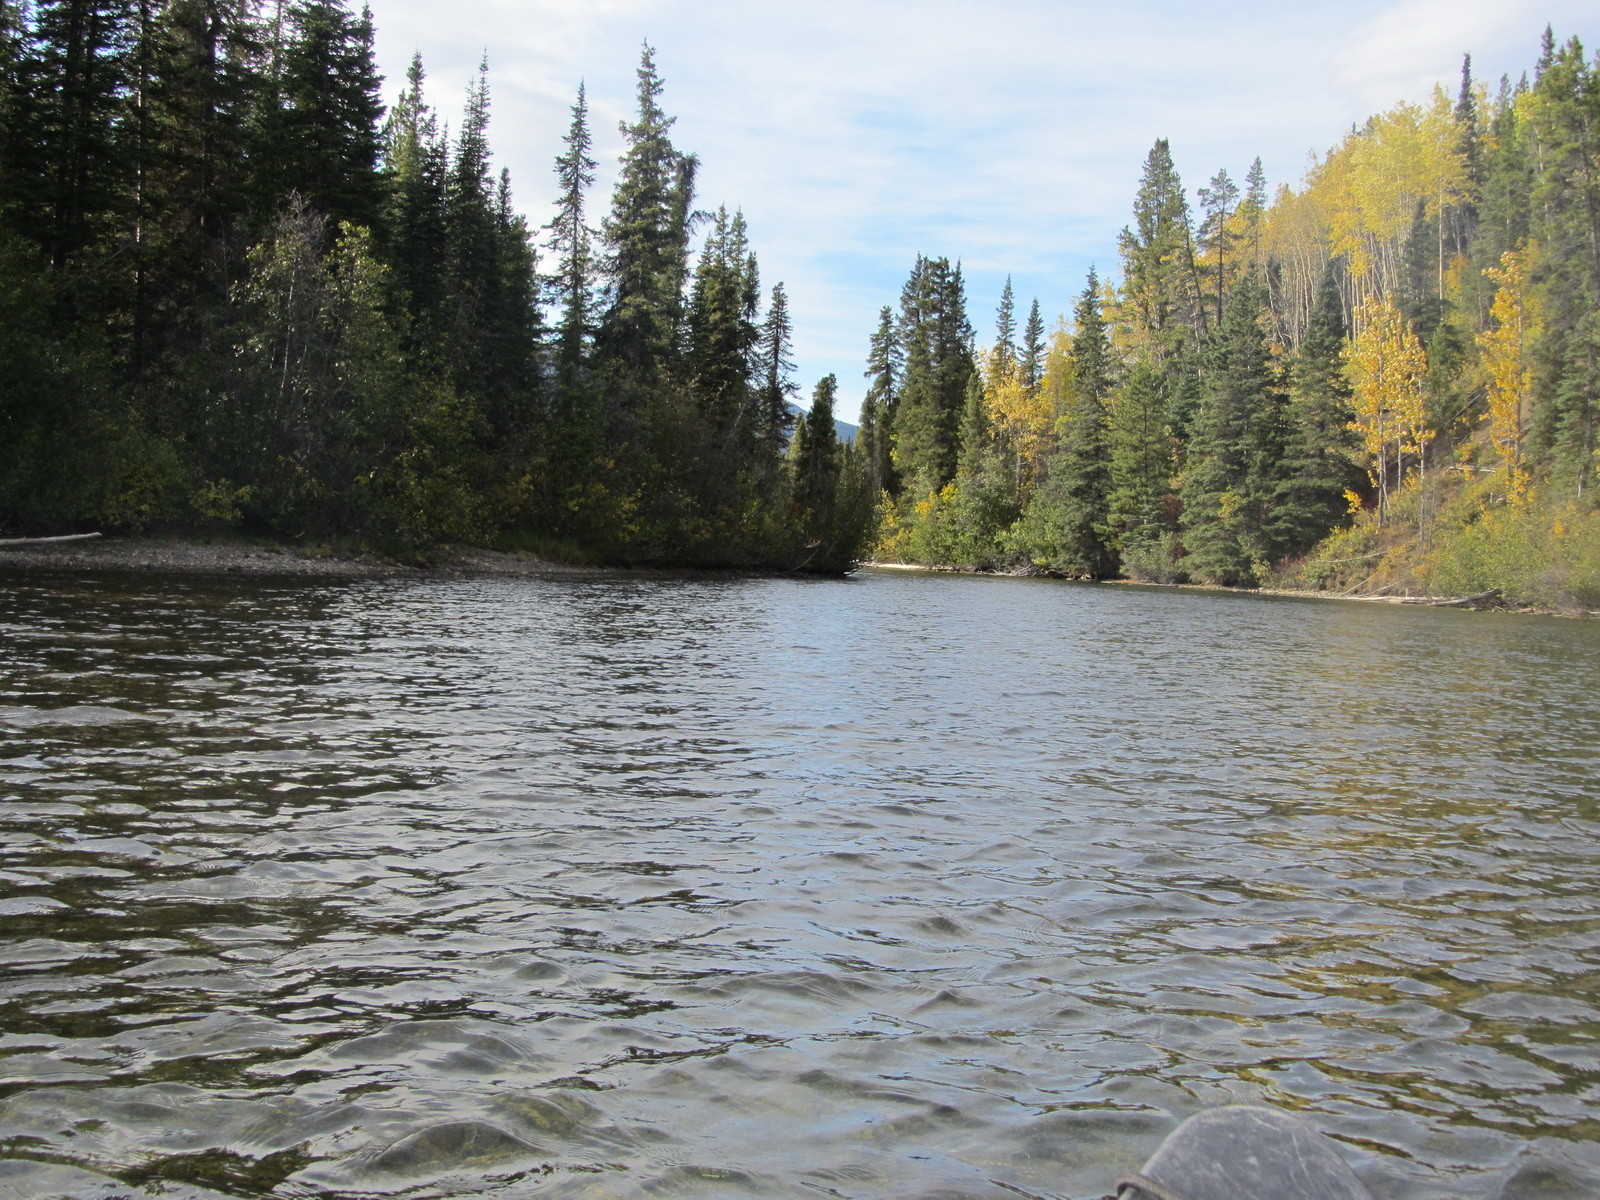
(1387, 370)
(1507, 359)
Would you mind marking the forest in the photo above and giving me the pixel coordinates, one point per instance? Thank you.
(1384, 381)
(240, 292)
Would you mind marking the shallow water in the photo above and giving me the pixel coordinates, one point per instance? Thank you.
(902, 886)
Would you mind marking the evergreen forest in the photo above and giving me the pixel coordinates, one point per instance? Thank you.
(241, 291)
(1384, 381)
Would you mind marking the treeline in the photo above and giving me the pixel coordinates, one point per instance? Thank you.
(1387, 378)
(238, 291)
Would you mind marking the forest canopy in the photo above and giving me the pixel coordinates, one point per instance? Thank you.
(238, 290)
(1386, 378)
(243, 288)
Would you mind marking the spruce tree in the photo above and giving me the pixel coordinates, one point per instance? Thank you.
(1142, 459)
(1005, 340)
(885, 367)
(1319, 465)
(937, 337)
(1081, 470)
(473, 264)
(775, 371)
(722, 334)
(317, 129)
(645, 241)
(570, 244)
(71, 162)
(1235, 452)
(417, 163)
(1160, 275)
(1218, 200)
(817, 458)
(1032, 355)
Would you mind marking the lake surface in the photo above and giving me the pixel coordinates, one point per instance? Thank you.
(903, 886)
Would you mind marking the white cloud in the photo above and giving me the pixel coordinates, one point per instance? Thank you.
(1406, 49)
(1008, 134)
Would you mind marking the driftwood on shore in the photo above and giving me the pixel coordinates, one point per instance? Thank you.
(45, 541)
(1464, 601)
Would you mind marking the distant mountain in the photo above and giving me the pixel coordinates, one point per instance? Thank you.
(845, 430)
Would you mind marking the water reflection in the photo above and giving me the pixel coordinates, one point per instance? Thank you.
(895, 887)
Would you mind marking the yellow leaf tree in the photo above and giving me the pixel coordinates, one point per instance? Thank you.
(1508, 359)
(1387, 367)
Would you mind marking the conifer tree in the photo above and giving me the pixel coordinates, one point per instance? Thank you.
(317, 130)
(1461, 218)
(1142, 460)
(416, 161)
(775, 371)
(71, 162)
(1032, 355)
(937, 337)
(885, 367)
(1067, 526)
(1319, 467)
(570, 244)
(645, 237)
(1235, 451)
(722, 332)
(817, 457)
(1005, 342)
(1218, 200)
(1160, 274)
(1081, 471)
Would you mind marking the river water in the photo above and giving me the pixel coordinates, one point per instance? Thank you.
(899, 886)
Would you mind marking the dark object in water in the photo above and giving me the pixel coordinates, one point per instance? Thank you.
(1244, 1153)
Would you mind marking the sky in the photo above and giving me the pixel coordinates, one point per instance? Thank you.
(857, 134)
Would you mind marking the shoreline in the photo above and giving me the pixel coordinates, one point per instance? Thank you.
(177, 555)
(1471, 603)
(229, 557)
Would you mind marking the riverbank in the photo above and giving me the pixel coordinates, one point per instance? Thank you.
(1482, 603)
(238, 556)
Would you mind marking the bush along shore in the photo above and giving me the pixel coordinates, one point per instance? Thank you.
(240, 293)
(1384, 382)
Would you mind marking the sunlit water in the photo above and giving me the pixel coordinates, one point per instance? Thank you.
(902, 886)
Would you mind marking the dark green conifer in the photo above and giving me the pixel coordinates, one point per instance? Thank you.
(1235, 451)
(417, 163)
(775, 373)
(1320, 463)
(1142, 458)
(1032, 353)
(885, 366)
(645, 237)
(938, 362)
(317, 128)
(1005, 339)
(571, 244)
(1081, 470)
(817, 457)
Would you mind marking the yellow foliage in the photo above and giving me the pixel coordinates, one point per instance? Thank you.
(1367, 189)
(1023, 418)
(1387, 367)
(1507, 358)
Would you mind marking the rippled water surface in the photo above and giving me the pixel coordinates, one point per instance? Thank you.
(900, 886)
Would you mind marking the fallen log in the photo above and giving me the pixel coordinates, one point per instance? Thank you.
(45, 541)
(1491, 594)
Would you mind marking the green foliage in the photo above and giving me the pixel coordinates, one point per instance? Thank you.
(230, 297)
(1234, 454)
(935, 336)
(1547, 556)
